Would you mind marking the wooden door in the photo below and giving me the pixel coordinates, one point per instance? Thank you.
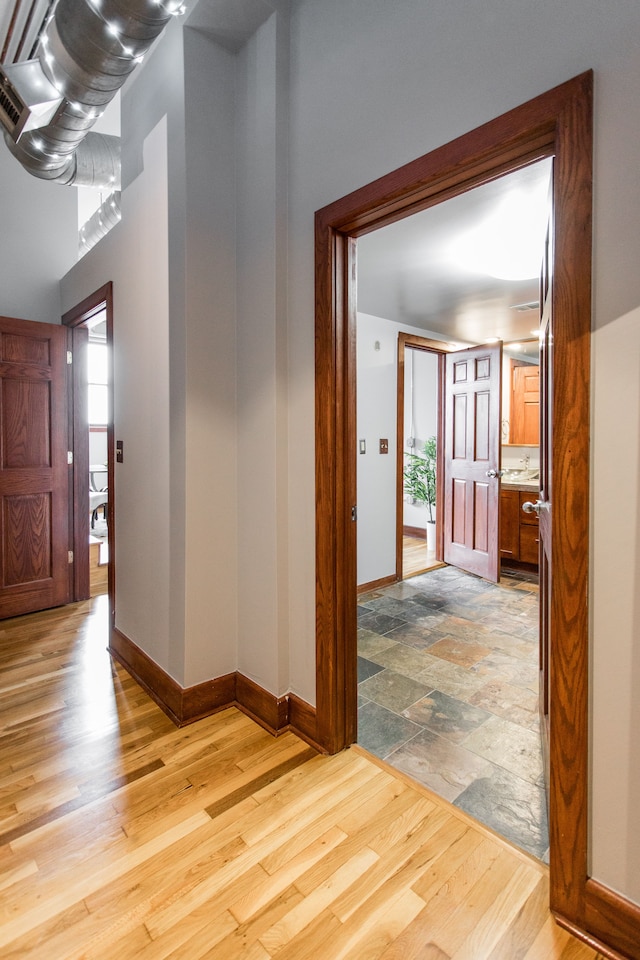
(34, 473)
(472, 460)
(545, 497)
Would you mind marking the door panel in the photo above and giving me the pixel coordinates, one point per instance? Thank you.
(471, 455)
(546, 485)
(34, 502)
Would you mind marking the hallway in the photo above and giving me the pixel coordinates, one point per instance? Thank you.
(447, 693)
(125, 836)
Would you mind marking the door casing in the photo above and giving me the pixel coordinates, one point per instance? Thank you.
(101, 299)
(559, 124)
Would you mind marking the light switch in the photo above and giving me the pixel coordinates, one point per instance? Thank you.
(384, 446)
(363, 446)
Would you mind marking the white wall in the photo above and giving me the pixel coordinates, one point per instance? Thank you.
(134, 256)
(263, 639)
(421, 371)
(615, 582)
(31, 265)
(211, 585)
(377, 352)
(377, 356)
(172, 262)
(375, 85)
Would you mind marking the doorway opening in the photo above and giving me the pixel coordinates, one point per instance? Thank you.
(558, 124)
(91, 323)
(418, 457)
(447, 664)
(98, 416)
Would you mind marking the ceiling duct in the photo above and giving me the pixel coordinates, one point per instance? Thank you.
(86, 52)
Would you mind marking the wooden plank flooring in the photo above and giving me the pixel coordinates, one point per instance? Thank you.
(415, 558)
(125, 838)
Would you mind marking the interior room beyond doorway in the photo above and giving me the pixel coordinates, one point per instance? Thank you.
(446, 661)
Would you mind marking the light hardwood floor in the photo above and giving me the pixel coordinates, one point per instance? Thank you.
(124, 838)
(415, 558)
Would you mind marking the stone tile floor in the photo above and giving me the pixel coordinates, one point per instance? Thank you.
(448, 693)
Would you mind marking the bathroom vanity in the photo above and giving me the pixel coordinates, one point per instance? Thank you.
(518, 530)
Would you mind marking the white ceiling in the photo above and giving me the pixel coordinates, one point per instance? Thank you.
(406, 275)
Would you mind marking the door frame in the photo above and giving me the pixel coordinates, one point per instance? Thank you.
(75, 318)
(557, 123)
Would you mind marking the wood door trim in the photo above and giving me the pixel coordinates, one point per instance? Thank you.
(429, 346)
(557, 123)
(75, 317)
(79, 492)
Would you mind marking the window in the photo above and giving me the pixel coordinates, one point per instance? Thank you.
(98, 378)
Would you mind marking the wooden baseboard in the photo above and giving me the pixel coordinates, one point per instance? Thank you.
(377, 584)
(266, 709)
(303, 722)
(420, 533)
(611, 924)
(613, 919)
(159, 685)
(187, 704)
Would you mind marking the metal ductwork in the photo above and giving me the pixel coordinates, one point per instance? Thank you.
(100, 223)
(87, 50)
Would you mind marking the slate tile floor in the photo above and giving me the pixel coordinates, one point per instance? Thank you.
(448, 693)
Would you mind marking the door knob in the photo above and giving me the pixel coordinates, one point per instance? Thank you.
(530, 507)
(494, 473)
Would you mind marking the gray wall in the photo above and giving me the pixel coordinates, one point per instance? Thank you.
(31, 265)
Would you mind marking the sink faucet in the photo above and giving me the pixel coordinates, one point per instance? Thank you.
(525, 460)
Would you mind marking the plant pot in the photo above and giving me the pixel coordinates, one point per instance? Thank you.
(431, 537)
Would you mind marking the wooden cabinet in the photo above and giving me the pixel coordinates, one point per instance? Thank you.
(509, 525)
(518, 530)
(529, 538)
(525, 404)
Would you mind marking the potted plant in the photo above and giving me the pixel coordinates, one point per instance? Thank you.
(420, 479)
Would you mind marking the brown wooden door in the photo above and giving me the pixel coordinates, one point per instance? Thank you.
(545, 497)
(472, 460)
(34, 473)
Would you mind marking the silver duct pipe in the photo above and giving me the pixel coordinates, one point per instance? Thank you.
(86, 52)
(99, 225)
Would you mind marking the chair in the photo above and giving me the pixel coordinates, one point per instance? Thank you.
(97, 499)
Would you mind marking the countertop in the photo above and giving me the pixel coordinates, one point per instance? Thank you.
(526, 486)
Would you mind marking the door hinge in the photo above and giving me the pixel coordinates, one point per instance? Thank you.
(70, 556)
(69, 456)
(69, 357)
(354, 513)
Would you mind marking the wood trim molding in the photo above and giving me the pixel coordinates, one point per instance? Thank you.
(612, 919)
(597, 945)
(559, 124)
(303, 721)
(418, 533)
(79, 510)
(266, 709)
(377, 584)
(77, 316)
(185, 705)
